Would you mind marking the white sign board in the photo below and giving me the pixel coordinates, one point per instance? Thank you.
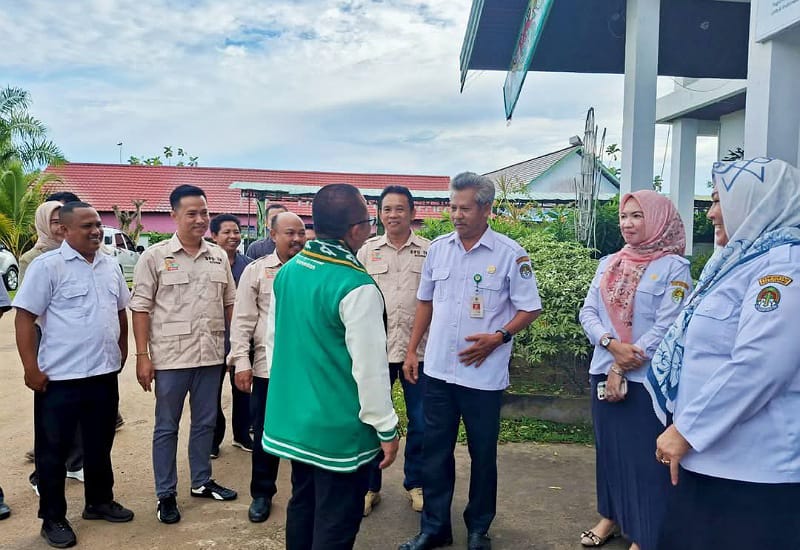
(773, 16)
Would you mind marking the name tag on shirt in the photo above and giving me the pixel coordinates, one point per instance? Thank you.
(476, 307)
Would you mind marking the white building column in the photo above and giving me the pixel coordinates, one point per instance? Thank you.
(682, 170)
(639, 110)
(772, 121)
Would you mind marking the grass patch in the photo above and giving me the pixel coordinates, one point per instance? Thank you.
(516, 430)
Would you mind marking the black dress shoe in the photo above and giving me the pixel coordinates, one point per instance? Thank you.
(58, 534)
(259, 509)
(478, 541)
(424, 541)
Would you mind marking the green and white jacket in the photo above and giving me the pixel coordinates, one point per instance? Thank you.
(329, 401)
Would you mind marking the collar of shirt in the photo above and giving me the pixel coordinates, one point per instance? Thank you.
(175, 245)
(487, 239)
(273, 260)
(383, 240)
(70, 253)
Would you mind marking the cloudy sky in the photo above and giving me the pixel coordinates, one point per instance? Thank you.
(331, 85)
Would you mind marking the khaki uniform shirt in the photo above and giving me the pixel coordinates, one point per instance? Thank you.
(397, 272)
(186, 298)
(250, 316)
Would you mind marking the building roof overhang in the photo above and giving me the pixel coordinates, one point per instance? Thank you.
(697, 38)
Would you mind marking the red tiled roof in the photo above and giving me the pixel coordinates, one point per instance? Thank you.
(105, 185)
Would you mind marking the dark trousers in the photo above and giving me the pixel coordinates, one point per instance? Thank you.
(445, 405)
(412, 464)
(265, 466)
(240, 413)
(710, 512)
(88, 404)
(326, 508)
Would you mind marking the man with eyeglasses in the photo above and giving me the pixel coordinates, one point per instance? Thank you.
(395, 261)
(329, 408)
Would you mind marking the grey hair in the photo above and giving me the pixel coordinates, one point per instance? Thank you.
(483, 186)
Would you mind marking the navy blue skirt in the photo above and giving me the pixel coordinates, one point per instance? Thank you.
(632, 486)
(710, 512)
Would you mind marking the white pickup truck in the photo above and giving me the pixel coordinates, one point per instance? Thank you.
(118, 244)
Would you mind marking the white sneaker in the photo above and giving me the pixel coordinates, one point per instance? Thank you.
(77, 474)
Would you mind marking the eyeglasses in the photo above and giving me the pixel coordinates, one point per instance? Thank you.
(372, 221)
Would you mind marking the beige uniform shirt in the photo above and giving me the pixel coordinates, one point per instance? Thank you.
(397, 272)
(186, 298)
(250, 316)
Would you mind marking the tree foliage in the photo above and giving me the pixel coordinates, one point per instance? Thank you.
(20, 195)
(184, 159)
(23, 137)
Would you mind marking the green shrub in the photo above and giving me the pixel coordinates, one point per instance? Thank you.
(154, 237)
(698, 262)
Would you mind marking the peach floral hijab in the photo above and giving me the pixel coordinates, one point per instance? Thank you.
(664, 235)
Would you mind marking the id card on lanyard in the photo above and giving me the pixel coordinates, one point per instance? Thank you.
(476, 304)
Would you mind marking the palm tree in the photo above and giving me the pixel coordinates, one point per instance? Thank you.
(20, 195)
(22, 136)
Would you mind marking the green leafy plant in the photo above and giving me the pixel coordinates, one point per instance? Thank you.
(20, 196)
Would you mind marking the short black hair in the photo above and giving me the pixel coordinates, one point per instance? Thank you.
(335, 208)
(66, 211)
(398, 190)
(184, 191)
(63, 196)
(270, 207)
(216, 222)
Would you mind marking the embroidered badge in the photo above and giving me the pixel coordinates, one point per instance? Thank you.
(170, 264)
(522, 259)
(419, 253)
(376, 256)
(491, 270)
(525, 271)
(678, 294)
(681, 284)
(768, 299)
(775, 279)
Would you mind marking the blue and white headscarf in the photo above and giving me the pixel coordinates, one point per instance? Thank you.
(760, 201)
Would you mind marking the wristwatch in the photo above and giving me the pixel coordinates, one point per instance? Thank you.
(506, 335)
(605, 341)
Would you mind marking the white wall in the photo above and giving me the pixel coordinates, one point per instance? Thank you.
(731, 133)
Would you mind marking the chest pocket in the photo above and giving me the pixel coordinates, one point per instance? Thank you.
(174, 285)
(377, 271)
(440, 277)
(72, 298)
(649, 294)
(491, 290)
(218, 281)
(716, 323)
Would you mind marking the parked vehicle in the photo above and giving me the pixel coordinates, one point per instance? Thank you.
(118, 244)
(9, 268)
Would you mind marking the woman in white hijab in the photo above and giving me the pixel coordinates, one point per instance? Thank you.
(49, 234)
(729, 371)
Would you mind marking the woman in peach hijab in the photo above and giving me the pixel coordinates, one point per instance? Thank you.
(633, 299)
(48, 231)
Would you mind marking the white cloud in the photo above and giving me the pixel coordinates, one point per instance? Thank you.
(358, 85)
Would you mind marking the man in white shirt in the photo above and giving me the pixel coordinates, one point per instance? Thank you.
(78, 296)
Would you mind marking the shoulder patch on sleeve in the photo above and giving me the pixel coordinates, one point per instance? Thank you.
(681, 284)
(522, 259)
(768, 299)
(525, 270)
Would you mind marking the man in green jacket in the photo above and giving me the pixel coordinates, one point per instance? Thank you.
(329, 409)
